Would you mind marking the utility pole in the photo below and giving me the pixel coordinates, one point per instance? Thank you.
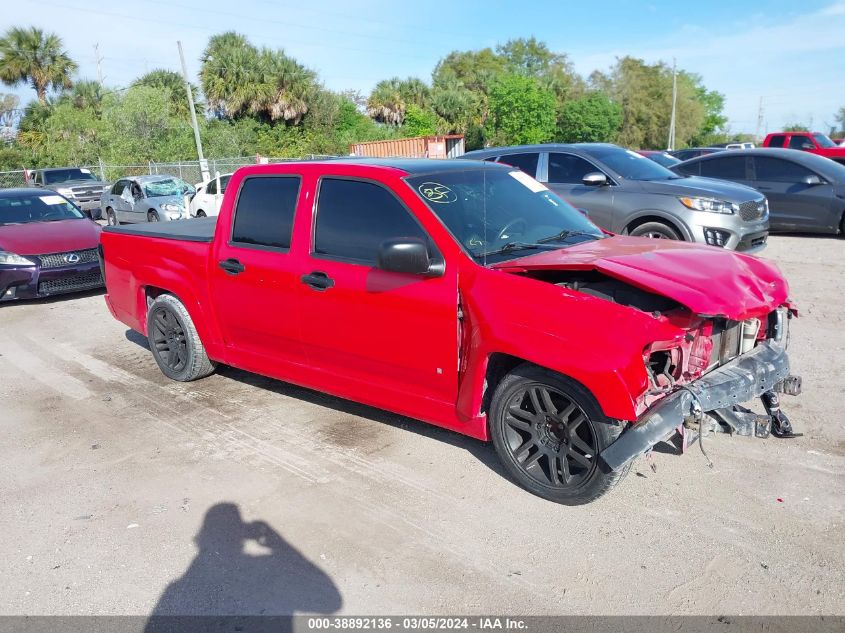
(759, 121)
(203, 162)
(671, 142)
(99, 60)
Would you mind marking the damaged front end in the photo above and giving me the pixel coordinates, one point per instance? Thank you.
(724, 363)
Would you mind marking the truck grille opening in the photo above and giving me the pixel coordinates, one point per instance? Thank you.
(71, 283)
(58, 260)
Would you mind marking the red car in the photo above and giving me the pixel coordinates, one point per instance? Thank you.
(468, 295)
(813, 142)
(47, 246)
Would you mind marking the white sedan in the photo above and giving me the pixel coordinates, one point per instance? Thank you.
(209, 195)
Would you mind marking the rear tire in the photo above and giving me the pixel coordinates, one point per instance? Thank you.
(174, 341)
(111, 217)
(655, 230)
(548, 431)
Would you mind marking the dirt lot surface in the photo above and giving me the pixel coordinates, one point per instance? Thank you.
(125, 493)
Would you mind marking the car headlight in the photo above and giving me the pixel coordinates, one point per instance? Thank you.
(10, 259)
(67, 193)
(711, 205)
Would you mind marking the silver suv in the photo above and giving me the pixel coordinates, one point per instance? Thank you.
(624, 192)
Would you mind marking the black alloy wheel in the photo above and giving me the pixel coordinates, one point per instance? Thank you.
(550, 436)
(169, 341)
(549, 431)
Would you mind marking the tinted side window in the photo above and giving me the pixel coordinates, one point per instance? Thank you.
(568, 168)
(355, 217)
(264, 211)
(800, 142)
(224, 182)
(777, 141)
(118, 187)
(525, 162)
(211, 187)
(730, 168)
(689, 169)
(778, 170)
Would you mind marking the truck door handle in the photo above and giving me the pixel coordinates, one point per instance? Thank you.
(232, 266)
(317, 280)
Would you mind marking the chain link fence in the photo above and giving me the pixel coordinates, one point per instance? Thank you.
(187, 170)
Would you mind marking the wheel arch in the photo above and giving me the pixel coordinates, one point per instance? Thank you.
(658, 216)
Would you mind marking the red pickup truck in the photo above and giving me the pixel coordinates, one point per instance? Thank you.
(468, 295)
(813, 142)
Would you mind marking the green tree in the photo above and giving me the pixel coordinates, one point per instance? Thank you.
(85, 94)
(239, 79)
(796, 127)
(419, 122)
(591, 118)
(455, 107)
(174, 84)
(840, 118)
(644, 92)
(390, 99)
(714, 126)
(30, 55)
(522, 111)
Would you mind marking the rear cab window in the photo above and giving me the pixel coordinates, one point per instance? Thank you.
(778, 140)
(354, 217)
(264, 212)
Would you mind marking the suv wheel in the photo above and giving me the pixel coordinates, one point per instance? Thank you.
(548, 431)
(655, 230)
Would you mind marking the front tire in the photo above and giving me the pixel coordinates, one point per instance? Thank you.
(152, 216)
(174, 341)
(548, 431)
(111, 217)
(655, 230)
(201, 214)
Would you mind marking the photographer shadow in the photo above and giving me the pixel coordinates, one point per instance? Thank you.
(242, 569)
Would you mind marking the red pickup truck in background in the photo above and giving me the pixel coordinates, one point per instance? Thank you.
(813, 142)
(468, 295)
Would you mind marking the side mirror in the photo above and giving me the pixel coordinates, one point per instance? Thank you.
(404, 255)
(594, 179)
(812, 180)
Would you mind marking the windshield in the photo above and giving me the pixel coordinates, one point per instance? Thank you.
(630, 165)
(823, 140)
(662, 158)
(28, 207)
(169, 187)
(55, 176)
(497, 214)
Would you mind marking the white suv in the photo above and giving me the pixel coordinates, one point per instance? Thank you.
(209, 195)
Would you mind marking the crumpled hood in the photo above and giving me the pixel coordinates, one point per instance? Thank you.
(702, 187)
(39, 238)
(708, 280)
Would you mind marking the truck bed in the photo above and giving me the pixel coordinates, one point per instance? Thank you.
(194, 230)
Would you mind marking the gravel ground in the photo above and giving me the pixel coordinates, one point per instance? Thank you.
(125, 493)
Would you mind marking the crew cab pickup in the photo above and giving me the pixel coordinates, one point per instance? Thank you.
(468, 295)
(813, 142)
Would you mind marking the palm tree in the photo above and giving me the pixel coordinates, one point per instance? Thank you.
(285, 89)
(391, 97)
(30, 55)
(86, 93)
(175, 85)
(228, 74)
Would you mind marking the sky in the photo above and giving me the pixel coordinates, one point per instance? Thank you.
(788, 53)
